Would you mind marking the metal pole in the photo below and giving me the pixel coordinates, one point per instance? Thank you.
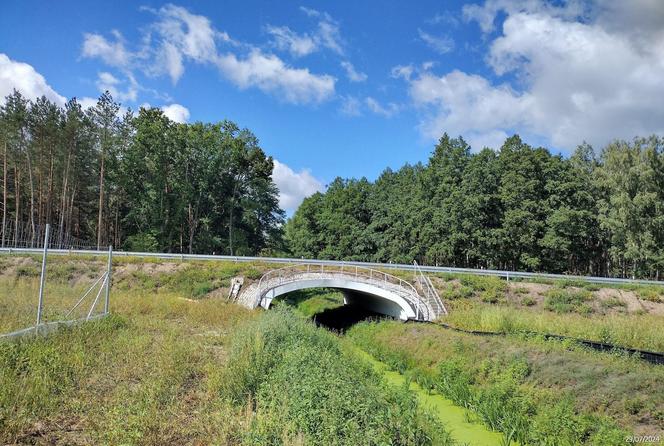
(43, 278)
(108, 278)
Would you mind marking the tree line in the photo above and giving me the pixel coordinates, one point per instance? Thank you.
(136, 181)
(519, 208)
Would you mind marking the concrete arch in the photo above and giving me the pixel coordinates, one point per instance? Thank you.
(377, 298)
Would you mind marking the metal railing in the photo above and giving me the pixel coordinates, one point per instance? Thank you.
(294, 273)
(395, 266)
(430, 293)
(104, 288)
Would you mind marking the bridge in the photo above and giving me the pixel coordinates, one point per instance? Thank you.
(369, 288)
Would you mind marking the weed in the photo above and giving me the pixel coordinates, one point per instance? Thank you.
(528, 301)
(567, 301)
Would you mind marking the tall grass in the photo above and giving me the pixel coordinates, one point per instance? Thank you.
(642, 331)
(497, 390)
(305, 387)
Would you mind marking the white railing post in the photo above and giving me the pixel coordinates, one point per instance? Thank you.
(42, 279)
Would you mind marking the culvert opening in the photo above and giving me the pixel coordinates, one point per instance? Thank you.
(325, 306)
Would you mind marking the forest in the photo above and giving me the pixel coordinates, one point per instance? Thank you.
(141, 182)
(135, 181)
(519, 208)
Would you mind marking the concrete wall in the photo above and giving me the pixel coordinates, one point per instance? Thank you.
(369, 296)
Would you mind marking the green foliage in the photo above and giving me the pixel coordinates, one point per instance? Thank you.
(302, 383)
(138, 181)
(314, 300)
(497, 391)
(520, 209)
(567, 301)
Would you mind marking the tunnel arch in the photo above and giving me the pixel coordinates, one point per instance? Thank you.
(367, 295)
(373, 289)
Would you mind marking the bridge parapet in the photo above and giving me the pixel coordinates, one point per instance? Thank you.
(419, 307)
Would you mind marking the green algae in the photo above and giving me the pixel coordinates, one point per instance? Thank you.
(454, 418)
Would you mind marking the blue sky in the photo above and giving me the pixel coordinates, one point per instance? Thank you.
(350, 88)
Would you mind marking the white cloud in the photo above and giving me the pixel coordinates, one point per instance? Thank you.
(387, 111)
(326, 35)
(287, 40)
(271, 75)
(107, 82)
(25, 79)
(351, 106)
(440, 44)
(402, 71)
(87, 102)
(176, 112)
(352, 73)
(577, 80)
(113, 53)
(293, 186)
(179, 36)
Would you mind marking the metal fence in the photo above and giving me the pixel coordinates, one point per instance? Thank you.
(54, 304)
(509, 275)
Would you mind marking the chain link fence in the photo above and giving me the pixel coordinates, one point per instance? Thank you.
(39, 293)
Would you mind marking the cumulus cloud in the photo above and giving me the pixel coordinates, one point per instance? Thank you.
(107, 82)
(440, 44)
(351, 106)
(577, 79)
(176, 112)
(112, 52)
(352, 73)
(287, 40)
(25, 79)
(387, 110)
(178, 36)
(293, 186)
(326, 35)
(271, 75)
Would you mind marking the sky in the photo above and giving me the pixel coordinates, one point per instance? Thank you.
(350, 88)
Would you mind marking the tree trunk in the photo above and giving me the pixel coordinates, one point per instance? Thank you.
(32, 202)
(4, 195)
(101, 200)
(18, 203)
(63, 204)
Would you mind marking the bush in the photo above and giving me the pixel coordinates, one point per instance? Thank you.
(567, 301)
(528, 301)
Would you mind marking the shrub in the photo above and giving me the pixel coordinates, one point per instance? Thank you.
(528, 301)
(567, 301)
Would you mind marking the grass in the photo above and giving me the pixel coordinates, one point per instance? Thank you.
(642, 331)
(561, 300)
(145, 375)
(306, 389)
(313, 301)
(533, 391)
(168, 369)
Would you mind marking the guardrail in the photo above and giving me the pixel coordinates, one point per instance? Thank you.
(292, 273)
(405, 267)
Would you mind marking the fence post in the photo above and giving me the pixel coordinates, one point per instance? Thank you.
(43, 278)
(109, 274)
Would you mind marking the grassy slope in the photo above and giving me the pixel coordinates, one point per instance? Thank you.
(491, 304)
(169, 369)
(617, 390)
(179, 344)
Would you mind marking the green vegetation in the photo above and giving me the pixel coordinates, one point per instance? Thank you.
(567, 301)
(533, 391)
(140, 182)
(642, 331)
(306, 389)
(314, 300)
(520, 208)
